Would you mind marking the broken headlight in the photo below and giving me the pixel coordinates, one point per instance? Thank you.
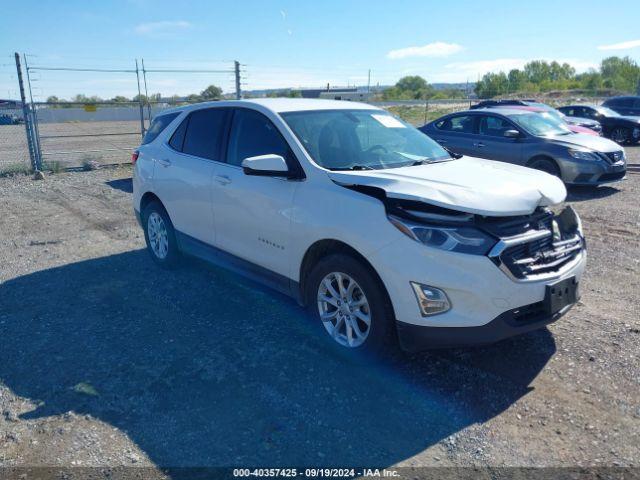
(461, 239)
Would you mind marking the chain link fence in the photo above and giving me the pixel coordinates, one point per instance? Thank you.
(14, 148)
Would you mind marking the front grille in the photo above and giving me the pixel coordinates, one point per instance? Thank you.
(536, 245)
(615, 157)
(541, 256)
(511, 226)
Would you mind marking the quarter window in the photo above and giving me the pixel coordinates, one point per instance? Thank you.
(253, 134)
(157, 126)
(177, 139)
(204, 133)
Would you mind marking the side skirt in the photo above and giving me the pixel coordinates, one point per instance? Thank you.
(210, 254)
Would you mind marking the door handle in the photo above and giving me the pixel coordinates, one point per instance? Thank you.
(479, 144)
(164, 162)
(222, 179)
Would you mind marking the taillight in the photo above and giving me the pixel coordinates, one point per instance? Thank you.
(134, 156)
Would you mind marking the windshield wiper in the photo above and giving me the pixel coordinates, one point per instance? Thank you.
(354, 167)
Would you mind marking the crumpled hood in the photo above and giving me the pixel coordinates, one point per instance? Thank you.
(468, 184)
(592, 142)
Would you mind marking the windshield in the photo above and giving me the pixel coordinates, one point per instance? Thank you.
(362, 139)
(557, 115)
(541, 124)
(607, 112)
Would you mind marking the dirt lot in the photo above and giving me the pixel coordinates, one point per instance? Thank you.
(106, 360)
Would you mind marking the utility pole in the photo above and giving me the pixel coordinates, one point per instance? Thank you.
(146, 93)
(25, 113)
(236, 65)
(140, 101)
(369, 82)
(34, 116)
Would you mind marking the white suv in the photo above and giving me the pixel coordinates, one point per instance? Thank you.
(375, 227)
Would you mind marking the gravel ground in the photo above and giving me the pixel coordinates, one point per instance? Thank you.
(108, 361)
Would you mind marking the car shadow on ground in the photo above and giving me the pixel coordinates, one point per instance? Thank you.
(202, 368)
(123, 184)
(582, 193)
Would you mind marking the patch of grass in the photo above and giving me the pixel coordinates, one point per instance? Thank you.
(14, 169)
(415, 114)
(54, 166)
(90, 162)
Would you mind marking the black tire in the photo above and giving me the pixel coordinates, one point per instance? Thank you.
(172, 257)
(381, 337)
(546, 165)
(621, 135)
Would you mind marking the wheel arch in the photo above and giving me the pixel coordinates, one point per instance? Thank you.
(147, 198)
(323, 248)
(544, 157)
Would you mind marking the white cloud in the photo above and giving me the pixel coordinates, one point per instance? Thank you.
(435, 49)
(621, 45)
(167, 27)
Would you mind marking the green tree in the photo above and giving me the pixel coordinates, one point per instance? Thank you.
(620, 73)
(516, 80)
(53, 99)
(492, 85)
(412, 87)
(211, 92)
(412, 83)
(120, 99)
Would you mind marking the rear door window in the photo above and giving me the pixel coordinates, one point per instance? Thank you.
(157, 126)
(457, 124)
(203, 136)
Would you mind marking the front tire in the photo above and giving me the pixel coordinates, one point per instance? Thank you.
(621, 135)
(160, 236)
(350, 306)
(546, 165)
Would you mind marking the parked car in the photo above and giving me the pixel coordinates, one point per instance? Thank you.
(533, 139)
(619, 128)
(629, 105)
(575, 121)
(8, 119)
(375, 227)
(557, 115)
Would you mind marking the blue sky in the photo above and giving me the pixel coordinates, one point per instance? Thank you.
(302, 43)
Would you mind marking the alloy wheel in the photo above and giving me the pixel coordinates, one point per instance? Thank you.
(158, 235)
(344, 309)
(619, 135)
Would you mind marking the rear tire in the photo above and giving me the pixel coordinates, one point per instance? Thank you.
(546, 165)
(160, 236)
(361, 297)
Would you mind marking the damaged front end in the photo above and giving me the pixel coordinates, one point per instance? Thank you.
(531, 247)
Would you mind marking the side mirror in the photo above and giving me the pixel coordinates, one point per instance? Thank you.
(512, 134)
(269, 165)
